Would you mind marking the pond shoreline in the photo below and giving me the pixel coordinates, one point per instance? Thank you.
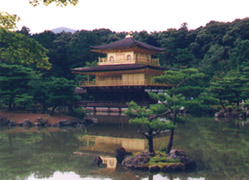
(38, 119)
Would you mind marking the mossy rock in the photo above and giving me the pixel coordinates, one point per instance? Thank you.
(174, 167)
(160, 162)
(154, 169)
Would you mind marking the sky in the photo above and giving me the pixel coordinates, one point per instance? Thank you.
(128, 15)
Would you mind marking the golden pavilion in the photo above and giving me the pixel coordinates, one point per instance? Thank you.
(125, 74)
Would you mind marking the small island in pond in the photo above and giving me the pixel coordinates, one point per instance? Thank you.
(175, 161)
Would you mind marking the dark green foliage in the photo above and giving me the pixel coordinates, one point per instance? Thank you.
(67, 51)
(54, 92)
(142, 117)
(79, 51)
(14, 85)
(22, 87)
(239, 54)
(231, 89)
(245, 79)
(79, 112)
(213, 61)
(203, 103)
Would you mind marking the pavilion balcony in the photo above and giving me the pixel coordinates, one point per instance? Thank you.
(153, 62)
(113, 83)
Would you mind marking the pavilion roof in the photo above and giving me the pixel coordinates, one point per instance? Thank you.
(127, 43)
(118, 67)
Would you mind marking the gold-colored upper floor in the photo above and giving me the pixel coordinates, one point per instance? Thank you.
(129, 57)
(128, 79)
(105, 61)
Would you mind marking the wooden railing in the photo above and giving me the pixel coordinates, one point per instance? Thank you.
(153, 62)
(119, 83)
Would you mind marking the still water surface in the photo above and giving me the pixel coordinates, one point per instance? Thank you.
(220, 148)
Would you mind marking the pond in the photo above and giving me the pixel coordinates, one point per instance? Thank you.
(220, 148)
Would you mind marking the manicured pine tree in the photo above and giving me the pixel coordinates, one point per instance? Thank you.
(171, 102)
(148, 122)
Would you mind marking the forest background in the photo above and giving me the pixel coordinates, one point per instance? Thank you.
(36, 68)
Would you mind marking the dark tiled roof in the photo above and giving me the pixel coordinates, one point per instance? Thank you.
(119, 67)
(125, 44)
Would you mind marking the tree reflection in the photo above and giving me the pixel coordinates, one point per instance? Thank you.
(38, 153)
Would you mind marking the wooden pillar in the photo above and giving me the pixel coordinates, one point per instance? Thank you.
(109, 110)
(122, 97)
(94, 110)
(144, 93)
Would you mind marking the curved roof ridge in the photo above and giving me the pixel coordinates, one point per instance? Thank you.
(127, 43)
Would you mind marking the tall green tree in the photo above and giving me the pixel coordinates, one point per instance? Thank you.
(14, 84)
(220, 89)
(239, 54)
(16, 48)
(61, 92)
(79, 48)
(236, 82)
(54, 92)
(230, 89)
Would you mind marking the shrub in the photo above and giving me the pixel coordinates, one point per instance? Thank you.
(79, 112)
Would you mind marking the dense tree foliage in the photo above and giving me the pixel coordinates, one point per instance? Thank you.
(219, 50)
(14, 82)
(24, 62)
(16, 48)
(54, 92)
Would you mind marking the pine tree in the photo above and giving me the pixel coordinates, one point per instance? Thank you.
(14, 84)
(170, 104)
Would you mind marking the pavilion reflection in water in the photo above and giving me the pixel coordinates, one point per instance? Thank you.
(104, 139)
(108, 144)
